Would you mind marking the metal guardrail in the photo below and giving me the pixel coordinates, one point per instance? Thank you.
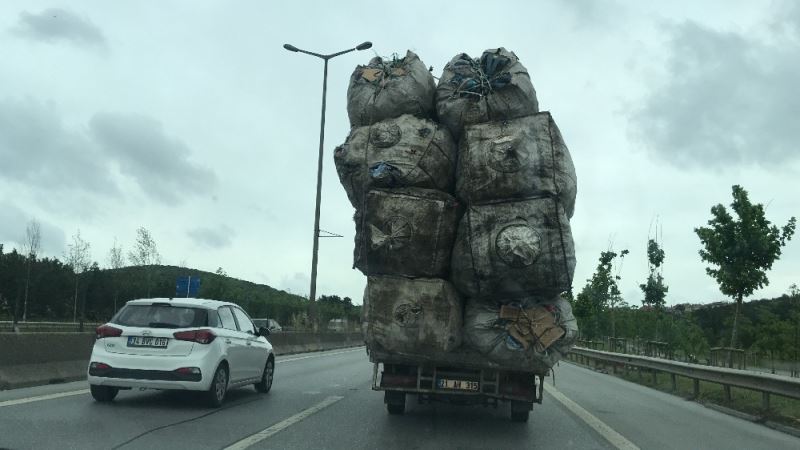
(767, 384)
(7, 325)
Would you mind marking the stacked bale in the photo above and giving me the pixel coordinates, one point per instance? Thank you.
(495, 86)
(389, 88)
(486, 220)
(522, 332)
(398, 169)
(514, 254)
(412, 316)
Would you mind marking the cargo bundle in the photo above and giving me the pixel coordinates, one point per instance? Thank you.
(463, 194)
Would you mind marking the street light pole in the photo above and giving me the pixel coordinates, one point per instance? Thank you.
(315, 251)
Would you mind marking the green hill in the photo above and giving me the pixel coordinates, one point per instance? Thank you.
(51, 292)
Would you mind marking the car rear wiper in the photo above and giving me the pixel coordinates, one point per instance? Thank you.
(162, 325)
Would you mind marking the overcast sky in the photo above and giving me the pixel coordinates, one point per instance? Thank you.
(188, 118)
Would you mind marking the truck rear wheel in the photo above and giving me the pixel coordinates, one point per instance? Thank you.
(520, 411)
(395, 402)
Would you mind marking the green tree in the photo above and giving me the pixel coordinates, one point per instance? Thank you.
(772, 335)
(794, 295)
(601, 293)
(691, 340)
(654, 289)
(741, 250)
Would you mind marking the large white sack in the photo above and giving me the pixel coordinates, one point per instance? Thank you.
(514, 249)
(388, 88)
(495, 86)
(488, 333)
(517, 158)
(412, 316)
(402, 152)
(407, 231)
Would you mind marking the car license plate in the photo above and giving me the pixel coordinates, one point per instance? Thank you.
(458, 385)
(146, 341)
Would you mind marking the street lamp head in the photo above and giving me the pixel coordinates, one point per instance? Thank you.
(292, 48)
(364, 45)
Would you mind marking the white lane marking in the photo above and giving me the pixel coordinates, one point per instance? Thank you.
(278, 427)
(317, 356)
(39, 398)
(617, 440)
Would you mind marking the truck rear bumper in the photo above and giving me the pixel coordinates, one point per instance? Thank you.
(449, 381)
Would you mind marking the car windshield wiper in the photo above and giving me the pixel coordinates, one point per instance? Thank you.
(162, 325)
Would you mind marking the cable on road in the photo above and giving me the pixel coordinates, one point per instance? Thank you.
(191, 419)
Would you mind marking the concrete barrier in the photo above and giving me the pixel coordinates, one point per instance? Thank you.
(33, 359)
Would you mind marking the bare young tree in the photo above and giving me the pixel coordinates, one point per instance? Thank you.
(79, 258)
(145, 254)
(115, 261)
(31, 246)
(145, 251)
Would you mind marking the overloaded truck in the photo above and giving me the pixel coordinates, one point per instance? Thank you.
(463, 193)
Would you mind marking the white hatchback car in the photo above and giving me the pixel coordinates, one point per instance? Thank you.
(181, 344)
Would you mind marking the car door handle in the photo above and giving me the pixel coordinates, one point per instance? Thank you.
(227, 341)
(249, 343)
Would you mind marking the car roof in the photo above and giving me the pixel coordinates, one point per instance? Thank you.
(194, 302)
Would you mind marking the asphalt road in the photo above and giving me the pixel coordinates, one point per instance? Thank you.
(323, 400)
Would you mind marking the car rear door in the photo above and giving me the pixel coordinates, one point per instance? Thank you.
(254, 347)
(235, 342)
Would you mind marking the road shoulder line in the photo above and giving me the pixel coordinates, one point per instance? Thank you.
(617, 440)
(39, 398)
(280, 426)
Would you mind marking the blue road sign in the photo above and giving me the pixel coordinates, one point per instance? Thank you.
(187, 286)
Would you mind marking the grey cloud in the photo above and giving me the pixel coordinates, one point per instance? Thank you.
(56, 24)
(592, 13)
(36, 149)
(13, 221)
(216, 238)
(788, 20)
(159, 163)
(725, 102)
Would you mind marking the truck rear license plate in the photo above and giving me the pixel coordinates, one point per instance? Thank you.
(458, 385)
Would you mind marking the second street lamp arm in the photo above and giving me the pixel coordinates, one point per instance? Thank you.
(361, 46)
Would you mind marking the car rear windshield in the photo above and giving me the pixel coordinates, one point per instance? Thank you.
(162, 316)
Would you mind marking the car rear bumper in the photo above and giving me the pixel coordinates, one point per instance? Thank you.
(140, 374)
(153, 372)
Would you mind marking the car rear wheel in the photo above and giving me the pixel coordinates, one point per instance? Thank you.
(265, 384)
(219, 387)
(103, 394)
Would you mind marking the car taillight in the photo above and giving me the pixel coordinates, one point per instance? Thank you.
(199, 336)
(99, 366)
(105, 331)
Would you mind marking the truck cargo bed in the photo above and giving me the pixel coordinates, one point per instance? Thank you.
(461, 357)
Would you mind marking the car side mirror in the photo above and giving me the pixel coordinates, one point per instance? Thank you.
(263, 331)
